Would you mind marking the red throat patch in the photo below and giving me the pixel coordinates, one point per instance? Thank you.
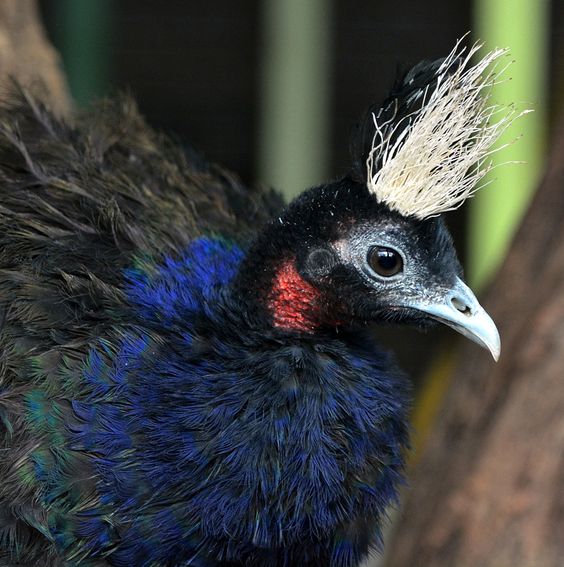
(294, 303)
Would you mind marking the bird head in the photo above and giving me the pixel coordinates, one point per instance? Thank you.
(373, 245)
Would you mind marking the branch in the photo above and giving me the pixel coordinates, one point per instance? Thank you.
(27, 56)
(489, 489)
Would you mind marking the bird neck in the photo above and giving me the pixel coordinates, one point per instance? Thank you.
(294, 304)
(215, 405)
(272, 287)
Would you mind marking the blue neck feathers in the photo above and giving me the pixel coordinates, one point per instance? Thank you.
(219, 444)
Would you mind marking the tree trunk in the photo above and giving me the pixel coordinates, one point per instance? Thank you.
(27, 56)
(489, 491)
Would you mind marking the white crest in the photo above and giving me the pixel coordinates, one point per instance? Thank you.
(433, 159)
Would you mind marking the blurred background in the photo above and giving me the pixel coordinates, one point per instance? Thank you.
(272, 89)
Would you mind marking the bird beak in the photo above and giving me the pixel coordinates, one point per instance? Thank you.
(459, 309)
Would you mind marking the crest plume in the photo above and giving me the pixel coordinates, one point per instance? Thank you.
(429, 160)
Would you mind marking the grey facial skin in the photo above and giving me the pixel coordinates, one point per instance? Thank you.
(424, 285)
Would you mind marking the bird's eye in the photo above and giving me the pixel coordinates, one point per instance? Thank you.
(384, 261)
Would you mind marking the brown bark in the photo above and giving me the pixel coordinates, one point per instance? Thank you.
(489, 491)
(27, 56)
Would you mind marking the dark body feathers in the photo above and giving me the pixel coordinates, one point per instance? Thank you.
(147, 415)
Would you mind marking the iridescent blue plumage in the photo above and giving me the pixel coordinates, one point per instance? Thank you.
(224, 456)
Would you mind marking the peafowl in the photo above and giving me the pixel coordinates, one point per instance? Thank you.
(187, 372)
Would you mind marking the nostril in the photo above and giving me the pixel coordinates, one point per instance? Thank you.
(460, 306)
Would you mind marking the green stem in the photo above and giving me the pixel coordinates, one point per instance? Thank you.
(521, 25)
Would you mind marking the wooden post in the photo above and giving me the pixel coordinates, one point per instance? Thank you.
(489, 490)
(27, 56)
